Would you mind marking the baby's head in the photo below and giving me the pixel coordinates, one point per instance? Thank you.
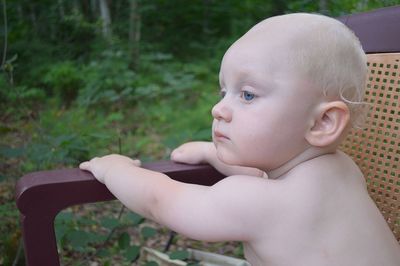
(310, 72)
(323, 51)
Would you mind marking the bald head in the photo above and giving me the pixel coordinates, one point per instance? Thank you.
(320, 49)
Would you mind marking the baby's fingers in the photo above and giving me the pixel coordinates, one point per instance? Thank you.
(177, 155)
(96, 166)
(184, 155)
(137, 162)
(85, 166)
(88, 165)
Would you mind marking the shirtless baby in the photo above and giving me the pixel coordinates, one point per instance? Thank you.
(291, 88)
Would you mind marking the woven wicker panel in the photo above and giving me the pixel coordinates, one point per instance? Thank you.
(376, 148)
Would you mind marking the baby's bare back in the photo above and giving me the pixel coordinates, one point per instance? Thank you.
(326, 217)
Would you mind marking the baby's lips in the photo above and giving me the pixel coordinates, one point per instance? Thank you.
(218, 134)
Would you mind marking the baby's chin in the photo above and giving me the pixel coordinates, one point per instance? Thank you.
(230, 160)
(225, 158)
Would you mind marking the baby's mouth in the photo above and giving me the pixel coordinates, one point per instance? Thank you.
(219, 136)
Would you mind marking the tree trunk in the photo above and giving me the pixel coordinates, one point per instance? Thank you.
(20, 13)
(93, 6)
(118, 5)
(134, 33)
(76, 6)
(86, 10)
(206, 16)
(61, 8)
(3, 61)
(33, 19)
(106, 19)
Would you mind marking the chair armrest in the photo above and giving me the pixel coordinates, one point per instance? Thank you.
(40, 196)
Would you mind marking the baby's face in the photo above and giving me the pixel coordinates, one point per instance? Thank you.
(265, 110)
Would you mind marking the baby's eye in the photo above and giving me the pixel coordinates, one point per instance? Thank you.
(222, 93)
(247, 96)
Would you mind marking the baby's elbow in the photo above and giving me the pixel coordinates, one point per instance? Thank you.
(158, 204)
(151, 209)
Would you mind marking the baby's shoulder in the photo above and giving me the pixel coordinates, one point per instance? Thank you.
(335, 167)
(325, 177)
(258, 194)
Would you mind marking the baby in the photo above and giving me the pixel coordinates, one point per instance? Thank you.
(291, 88)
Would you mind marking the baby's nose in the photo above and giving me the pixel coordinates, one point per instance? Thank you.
(221, 111)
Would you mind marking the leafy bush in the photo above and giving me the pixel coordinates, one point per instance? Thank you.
(65, 80)
(75, 34)
(107, 80)
(10, 232)
(64, 138)
(17, 98)
(102, 238)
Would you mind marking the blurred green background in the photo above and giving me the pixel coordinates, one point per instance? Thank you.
(86, 78)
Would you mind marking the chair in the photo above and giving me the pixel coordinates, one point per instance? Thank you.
(376, 149)
(41, 195)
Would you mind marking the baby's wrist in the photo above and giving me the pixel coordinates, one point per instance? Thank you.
(105, 177)
(208, 150)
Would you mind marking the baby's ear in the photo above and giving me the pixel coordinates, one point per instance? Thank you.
(329, 124)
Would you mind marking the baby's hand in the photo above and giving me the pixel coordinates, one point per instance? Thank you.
(191, 152)
(100, 166)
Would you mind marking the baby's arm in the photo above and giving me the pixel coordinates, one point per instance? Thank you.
(199, 152)
(225, 211)
(120, 174)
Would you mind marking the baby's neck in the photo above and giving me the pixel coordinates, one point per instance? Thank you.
(308, 154)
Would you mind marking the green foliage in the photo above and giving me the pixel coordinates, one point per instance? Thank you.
(10, 232)
(151, 263)
(64, 80)
(124, 240)
(69, 234)
(179, 255)
(14, 98)
(102, 238)
(76, 33)
(65, 137)
(109, 223)
(108, 80)
(135, 218)
(131, 253)
(148, 232)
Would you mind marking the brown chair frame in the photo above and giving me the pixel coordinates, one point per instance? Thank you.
(40, 196)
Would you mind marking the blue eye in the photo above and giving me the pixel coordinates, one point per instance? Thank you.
(248, 96)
